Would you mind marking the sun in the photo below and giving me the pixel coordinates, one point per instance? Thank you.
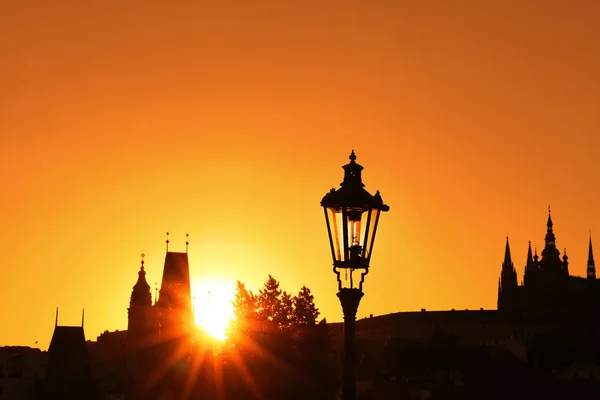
(213, 310)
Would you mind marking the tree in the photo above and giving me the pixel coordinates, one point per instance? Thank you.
(305, 311)
(285, 314)
(288, 348)
(244, 310)
(269, 303)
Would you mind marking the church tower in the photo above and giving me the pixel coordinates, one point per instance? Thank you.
(507, 287)
(591, 265)
(174, 305)
(141, 324)
(551, 266)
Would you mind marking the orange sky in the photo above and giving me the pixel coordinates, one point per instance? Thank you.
(230, 122)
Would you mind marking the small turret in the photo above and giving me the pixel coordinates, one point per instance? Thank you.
(141, 295)
(565, 263)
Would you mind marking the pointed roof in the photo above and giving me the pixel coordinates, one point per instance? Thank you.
(591, 253)
(507, 258)
(141, 294)
(549, 223)
(529, 255)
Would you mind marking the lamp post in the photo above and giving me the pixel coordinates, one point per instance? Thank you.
(352, 215)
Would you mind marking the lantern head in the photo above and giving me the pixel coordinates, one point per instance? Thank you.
(352, 215)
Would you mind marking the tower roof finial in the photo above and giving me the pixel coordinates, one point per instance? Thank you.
(142, 267)
(187, 241)
(352, 156)
(167, 241)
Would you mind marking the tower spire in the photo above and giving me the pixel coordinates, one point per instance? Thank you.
(591, 265)
(56, 318)
(529, 256)
(550, 239)
(507, 258)
(507, 284)
(82, 316)
(167, 242)
(187, 241)
(529, 266)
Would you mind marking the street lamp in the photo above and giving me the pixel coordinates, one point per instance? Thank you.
(352, 215)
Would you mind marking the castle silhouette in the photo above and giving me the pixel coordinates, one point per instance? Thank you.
(547, 290)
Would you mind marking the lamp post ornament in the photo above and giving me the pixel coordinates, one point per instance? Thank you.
(352, 216)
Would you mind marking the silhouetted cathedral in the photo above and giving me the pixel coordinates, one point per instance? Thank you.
(547, 289)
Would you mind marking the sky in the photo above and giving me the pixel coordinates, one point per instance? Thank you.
(229, 121)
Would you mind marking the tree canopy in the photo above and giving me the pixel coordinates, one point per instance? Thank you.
(277, 335)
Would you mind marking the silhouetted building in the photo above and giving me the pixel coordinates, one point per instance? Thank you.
(68, 373)
(541, 342)
(157, 332)
(547, 290)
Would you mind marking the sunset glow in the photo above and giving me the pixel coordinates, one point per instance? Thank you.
(213, 310)
(124, 120)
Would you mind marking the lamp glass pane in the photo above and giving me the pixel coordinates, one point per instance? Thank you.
(335, 224)
(371, 233)
(357, 229)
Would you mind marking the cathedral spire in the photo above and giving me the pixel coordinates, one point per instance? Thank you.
(507, 284)
(507, 258)
(591, 265)
(529, 266)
